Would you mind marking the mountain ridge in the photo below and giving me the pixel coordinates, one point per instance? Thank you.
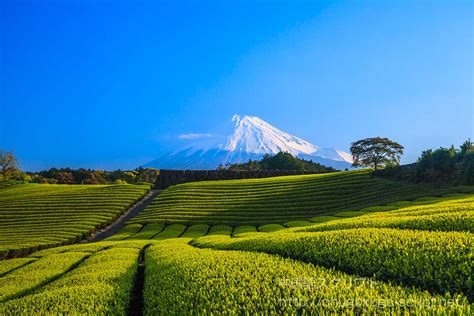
(251, 138)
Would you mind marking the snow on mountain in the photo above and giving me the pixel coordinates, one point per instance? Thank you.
(251, 138)
(252, 134)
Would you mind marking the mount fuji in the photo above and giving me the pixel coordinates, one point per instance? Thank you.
(251, 138)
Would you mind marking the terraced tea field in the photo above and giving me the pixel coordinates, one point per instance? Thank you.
(363, 246)
(451, 212)
(276, 200)
(37, 216)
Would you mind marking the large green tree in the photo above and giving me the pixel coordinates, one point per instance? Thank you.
(376, 152)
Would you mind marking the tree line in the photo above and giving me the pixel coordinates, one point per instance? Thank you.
(90, 176)
(453, 166)
(444, 165)
(9, 172)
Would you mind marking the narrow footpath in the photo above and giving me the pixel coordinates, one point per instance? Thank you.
(133, 211)
(136, 305)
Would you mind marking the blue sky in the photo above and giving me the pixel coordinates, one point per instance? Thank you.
(112, 84)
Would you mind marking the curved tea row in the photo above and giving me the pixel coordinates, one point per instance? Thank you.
(275, 200)
(33, 216)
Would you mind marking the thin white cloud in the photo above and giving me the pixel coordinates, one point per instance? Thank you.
(194, 136)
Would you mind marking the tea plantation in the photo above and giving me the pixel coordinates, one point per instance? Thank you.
(34, 216)
(276, 200)
(342, 243)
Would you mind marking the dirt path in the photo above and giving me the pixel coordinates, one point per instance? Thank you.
(133, 211)
(137, 300)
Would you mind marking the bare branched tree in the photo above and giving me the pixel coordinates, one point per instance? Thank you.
(8, 165)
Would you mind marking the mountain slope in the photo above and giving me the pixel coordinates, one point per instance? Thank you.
(252, 134)
(251, 138)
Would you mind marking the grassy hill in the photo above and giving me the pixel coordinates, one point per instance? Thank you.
(276, 200)
(290, 271)
(35, 216)
(392, 248)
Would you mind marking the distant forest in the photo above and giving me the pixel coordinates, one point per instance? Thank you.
(280, 161)
(88, 176)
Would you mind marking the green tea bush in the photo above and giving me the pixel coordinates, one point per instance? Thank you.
(240, 230)
(148, 232)
(125, 232)
(37, 216)
(101, 285)
(269, 228)
(171, 231)
(43, 270)
(449, 214)
(223, 230)
(10, 265)
(436, 261)
(182, 280)
(196, 231)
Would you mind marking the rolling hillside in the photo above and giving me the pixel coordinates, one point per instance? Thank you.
(36, 216)
(411, 255)
(276, 200)
(451, 212)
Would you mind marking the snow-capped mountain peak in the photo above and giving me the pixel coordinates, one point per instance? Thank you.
(254, 135)
(251, 138)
